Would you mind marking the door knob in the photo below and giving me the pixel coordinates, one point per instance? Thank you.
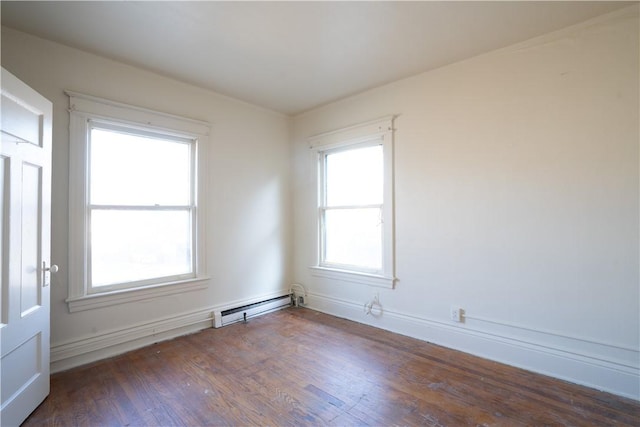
(52, 269)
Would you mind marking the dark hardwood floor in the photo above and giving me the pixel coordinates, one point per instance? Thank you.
(300, 367)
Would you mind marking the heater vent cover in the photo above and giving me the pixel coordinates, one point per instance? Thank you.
(238, 314)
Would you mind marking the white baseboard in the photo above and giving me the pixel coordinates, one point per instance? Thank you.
(96, 347)
(590, 369)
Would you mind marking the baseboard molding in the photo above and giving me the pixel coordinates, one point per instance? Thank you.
(111, 343)
(97, 347)
(594, 370)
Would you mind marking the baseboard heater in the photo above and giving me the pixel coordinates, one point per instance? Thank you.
(239, 314)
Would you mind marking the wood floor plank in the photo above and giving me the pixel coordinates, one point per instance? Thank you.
(298, 367)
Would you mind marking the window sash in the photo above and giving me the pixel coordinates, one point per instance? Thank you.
(91, 289)
(323, 239)
(361, 189)
(138, 131)
(322, 190)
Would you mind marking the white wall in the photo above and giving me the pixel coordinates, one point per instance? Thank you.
(248, 238)
(516, 198)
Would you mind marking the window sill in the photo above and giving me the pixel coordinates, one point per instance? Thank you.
(354, 276)
(106, 299)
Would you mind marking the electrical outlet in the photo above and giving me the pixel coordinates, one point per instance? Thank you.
(456, 313)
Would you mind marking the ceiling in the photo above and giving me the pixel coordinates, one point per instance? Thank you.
(293, 56)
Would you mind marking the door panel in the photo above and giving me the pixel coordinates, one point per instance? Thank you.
(31, 240)
(25, 225)
(25, 366)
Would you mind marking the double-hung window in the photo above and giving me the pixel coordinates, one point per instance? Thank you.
(140, 207)
(135, 203)
(355, 203)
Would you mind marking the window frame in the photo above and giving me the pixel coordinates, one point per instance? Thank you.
(359, 136)
(87, 112)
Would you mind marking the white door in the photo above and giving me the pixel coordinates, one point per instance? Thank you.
(25, 224)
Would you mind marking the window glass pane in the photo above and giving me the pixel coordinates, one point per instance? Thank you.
(138, 170)
(354, 237)
(139, 245)
(354, 177)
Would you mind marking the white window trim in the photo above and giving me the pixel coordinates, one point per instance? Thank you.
(376, 130)
(83, 109)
